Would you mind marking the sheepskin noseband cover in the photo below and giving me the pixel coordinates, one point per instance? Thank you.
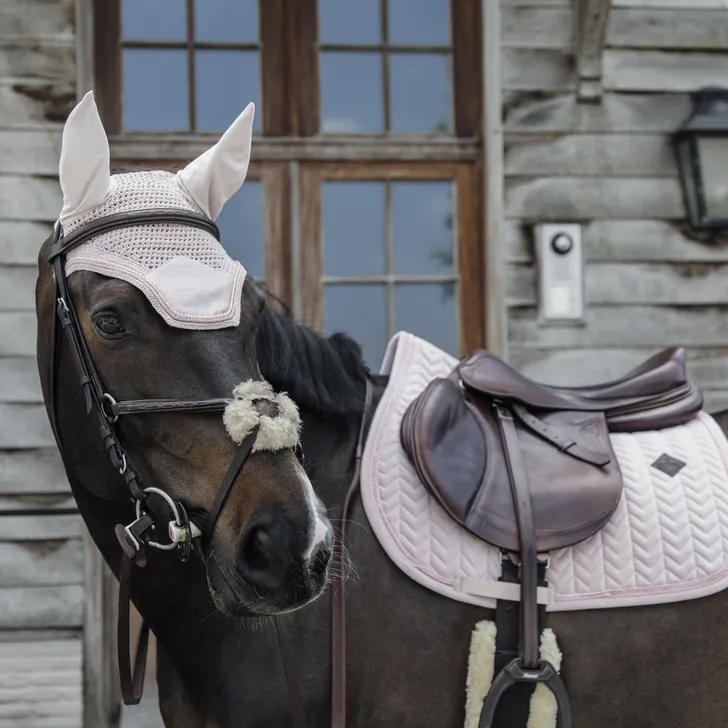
(255, 403)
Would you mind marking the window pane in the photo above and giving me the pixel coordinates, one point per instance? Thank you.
(428, 310)
(231, 21)
(714, 161)
(353, 228)
(422, 223)
(351, 92)
(154, 19)
(349, 21)
(420, 88)
(241, 228)
(361, 312)
(425, 22)
(226, 81)
(155, 90)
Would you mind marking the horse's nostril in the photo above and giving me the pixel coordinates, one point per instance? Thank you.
(257, 548)
(261, 558)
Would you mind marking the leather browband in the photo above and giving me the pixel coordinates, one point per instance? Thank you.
(129, 219)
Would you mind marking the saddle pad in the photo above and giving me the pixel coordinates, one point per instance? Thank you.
(667, 540)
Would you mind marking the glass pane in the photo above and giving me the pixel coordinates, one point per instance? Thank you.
(241, 228)
(154, 20)
(353, 228)
(230, 21)
(428, 310)
(425, 22)
(714, 162)
(155, 90)
(420, 88)
(361, 312)
(349, 21)
(351, 92)
(226, 82)
(422, 223)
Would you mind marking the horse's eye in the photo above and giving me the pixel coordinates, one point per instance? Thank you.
(109, 325)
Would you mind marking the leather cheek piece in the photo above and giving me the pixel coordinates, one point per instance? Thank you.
(276, 415)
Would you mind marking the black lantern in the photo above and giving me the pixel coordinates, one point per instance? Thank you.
(702, 154)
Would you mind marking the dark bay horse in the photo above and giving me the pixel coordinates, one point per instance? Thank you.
(218, 663)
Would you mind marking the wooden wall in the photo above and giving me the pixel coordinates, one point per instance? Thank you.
(650, 281)
(42, 563)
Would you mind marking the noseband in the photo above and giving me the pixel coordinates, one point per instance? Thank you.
(135, 537)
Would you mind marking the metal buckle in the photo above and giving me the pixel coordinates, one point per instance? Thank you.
(110, 417)
(176, 529)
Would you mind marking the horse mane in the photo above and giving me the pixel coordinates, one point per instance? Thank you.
(323, 374)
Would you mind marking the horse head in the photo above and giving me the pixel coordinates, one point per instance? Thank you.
(165, 325)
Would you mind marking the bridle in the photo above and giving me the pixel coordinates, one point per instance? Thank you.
(135, 537)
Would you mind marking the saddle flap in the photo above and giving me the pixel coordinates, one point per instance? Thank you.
(452, 438)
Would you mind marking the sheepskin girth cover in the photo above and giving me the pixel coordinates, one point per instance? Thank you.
(277, 431)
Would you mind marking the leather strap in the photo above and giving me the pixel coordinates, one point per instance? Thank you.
(338, 592)
(63, 243)
(565, 444)
(153, 406)
(236, 466)
(526, 530)
(131, 679)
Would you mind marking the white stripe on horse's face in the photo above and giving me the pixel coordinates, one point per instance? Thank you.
(320, 530)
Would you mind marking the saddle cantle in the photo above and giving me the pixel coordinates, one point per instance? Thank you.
(530, 468)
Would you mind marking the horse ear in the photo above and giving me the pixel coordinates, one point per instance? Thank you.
(84, 165)
(217, 174)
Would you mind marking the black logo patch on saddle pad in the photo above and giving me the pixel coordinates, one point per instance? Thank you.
(669, 465)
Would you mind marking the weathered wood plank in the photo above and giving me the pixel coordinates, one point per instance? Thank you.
(37, 60)
(19, 381)
(575, 198)
(624, 240)
(18, 337)
(627, 70)
(537, 27)
(715, 401)
(537, 70)
(21, 241)
(17, 288)
(30, 152)
(28, 697)
(32, 471)
(688, 4)
(692, 29)
(35, 105)
(41, 607)
(625, 326)
(590, 154)
(658, 284)
(22, 502)
(579, 367)
(40, 528)
(24, 426)
(36, 18)
(29, 198)
(617, 113)
(592, 17)
(530, 3)
(41, 563)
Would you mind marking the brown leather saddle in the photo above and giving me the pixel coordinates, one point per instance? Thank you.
(530, 468)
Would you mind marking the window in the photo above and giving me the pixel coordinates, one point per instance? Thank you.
(361, 210)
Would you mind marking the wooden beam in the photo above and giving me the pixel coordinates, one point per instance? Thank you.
(592, 18)
(496, 323)
(152, 147)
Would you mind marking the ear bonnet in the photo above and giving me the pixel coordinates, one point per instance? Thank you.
(184, 272)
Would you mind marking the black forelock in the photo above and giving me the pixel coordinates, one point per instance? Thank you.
(322, 374)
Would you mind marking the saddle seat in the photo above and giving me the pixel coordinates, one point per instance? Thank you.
(453, 436)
